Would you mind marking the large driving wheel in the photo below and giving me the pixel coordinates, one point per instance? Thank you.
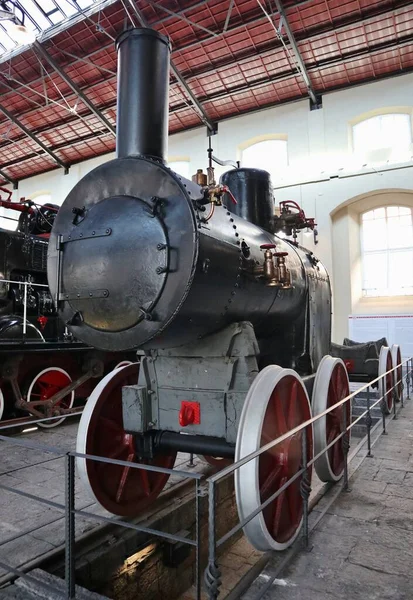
(120, 489)
(396, 356)
(330, 386)
(276, 402)
(386, 383)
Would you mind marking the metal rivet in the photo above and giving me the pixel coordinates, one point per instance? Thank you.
(93, 233)
(81, 235)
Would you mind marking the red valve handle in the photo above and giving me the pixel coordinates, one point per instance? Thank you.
(226, 189)
(280, 253)
(267, 246)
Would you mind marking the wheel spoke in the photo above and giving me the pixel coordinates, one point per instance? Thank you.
(279, 501)
(292, 406)
(280, 416)
(294, 499)
(125, 473)
(268, 487)
(111, 425)
(145, 482)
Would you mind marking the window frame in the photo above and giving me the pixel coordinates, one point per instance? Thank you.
(394, 110)
(388, 251)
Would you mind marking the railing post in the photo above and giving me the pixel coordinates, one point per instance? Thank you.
(369, 422)
(198, 553)
(191, 463)
(70, 527)
(212, 572)
(383, 410)
(346, 447)
(394, 400)
(305, 486)
(408, 381)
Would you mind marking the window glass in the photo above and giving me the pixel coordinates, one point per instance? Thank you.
(383, 131)
(387, 251)
(270, 155)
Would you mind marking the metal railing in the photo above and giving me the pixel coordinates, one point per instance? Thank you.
(212, 574)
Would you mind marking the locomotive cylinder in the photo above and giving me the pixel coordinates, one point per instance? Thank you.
(143, 86)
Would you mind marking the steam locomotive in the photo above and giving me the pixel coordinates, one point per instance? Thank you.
(38, 358)
(232, 323)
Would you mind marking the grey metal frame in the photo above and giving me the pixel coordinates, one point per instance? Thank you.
(212, 572)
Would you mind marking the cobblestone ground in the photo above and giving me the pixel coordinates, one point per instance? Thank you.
(362, 548)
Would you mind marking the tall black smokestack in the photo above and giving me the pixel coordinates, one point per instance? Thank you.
(143, 86)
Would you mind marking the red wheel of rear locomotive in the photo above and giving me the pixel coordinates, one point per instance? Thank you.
(121, 490)
(46, 384)
(330, 386)
(276, 403)
(386, 383)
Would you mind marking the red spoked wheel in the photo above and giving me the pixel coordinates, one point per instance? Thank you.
(330, 386)
(120, 489)
(398, 373)
(46, 384)
(386, 383)
(276, 403)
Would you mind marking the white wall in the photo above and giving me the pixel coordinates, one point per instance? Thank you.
(322, 175)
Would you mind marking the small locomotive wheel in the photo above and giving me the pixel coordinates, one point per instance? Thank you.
(45, 385)
(119, 489)
(276, 402)
(396, 356)
(330, 386)
(386, 383)
(123, 363)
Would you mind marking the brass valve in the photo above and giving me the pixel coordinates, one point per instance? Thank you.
(276, 274)
(269, 271)
(284, 274)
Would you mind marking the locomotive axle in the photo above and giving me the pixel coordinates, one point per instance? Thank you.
(166, 442)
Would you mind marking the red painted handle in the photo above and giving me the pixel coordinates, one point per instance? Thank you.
(267, 246)
(280, 253)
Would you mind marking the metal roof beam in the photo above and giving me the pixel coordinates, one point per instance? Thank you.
(33, 137)
(73, 86)
(195, 102)
(301, 66)
(14, 182)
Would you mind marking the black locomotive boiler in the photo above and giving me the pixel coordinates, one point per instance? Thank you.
(43, 370)
(231, 322)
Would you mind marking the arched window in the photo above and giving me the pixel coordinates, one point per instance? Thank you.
(387, 251)
(181, 167)
(391, 132)
(270, 155)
